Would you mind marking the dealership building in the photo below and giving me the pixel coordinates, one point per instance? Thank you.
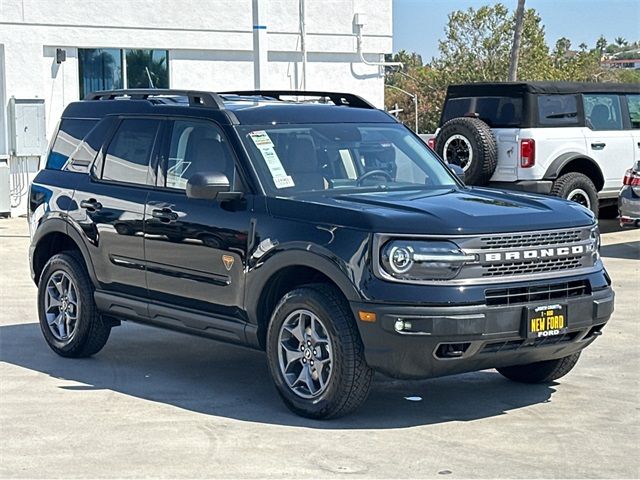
(53, 52)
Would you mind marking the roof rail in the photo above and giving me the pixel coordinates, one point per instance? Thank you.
(346, 99)
(196, 98)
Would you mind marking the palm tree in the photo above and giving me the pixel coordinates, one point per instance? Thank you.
(515, 47)
(620, 41)
(563, 45)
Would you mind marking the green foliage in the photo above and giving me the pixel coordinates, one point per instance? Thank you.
(476, 47)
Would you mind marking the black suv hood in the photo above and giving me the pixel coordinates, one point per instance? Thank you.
(437, 212)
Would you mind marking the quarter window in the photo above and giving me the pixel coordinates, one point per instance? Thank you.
(69, 136)
(196, 147)
(602, 112)
(128, 155)
(633, 102)
(557, 110)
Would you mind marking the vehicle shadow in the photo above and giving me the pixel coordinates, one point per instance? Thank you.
(626, 250)
(227, 381)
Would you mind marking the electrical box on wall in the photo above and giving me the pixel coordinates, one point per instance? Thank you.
(27, 128)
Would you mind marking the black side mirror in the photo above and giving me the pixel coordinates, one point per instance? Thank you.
(208, 185)
(457, 169)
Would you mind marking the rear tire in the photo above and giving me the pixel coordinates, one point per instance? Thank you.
(540, 372)
(315, 354)
(578, 188)
(470, 144)
(69, 320)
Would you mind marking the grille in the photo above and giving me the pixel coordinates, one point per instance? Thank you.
(532, 266)
(535, 239)
(537, 293)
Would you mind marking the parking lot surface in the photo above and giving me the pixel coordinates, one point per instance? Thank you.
(162, 404)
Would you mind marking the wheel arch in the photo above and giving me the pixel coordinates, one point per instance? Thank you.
(52, 237)
(576, 162)
(282, 273)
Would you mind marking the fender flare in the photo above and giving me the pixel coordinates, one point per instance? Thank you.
(259, 277)
(59, 225)
(554, 169)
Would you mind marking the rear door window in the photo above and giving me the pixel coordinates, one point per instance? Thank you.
(557, 110)
(497, 112)
(69, 135)
(602, 112)
(128, 156)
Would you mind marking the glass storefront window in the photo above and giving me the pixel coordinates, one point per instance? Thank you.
(147, 68)
(99, 69)
(112, 68)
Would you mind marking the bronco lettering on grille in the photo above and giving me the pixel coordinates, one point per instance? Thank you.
(537, 253)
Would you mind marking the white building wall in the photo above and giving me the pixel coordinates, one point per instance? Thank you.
(210, 44)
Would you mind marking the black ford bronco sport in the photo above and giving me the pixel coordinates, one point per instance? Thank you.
(320, 230)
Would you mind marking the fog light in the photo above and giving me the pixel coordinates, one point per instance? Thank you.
(402, 325)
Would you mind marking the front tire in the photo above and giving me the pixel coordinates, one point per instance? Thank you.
(541, 372)
(315, 354)
(578, 188)
(69, 320)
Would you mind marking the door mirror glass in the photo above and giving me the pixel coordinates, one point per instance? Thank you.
(207, 185)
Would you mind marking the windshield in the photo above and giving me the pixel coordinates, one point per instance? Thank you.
(291, 159)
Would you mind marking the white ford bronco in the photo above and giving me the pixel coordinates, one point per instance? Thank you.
(573, 140)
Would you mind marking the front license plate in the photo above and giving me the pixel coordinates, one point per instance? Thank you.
(546, 321)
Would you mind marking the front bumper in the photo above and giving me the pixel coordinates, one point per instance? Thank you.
(487, 336)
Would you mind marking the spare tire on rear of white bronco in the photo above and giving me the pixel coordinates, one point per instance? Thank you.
(469, 143)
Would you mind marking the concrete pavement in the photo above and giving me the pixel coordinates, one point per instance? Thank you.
(163, 404)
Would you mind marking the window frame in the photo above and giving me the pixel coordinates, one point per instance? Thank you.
(153, 163)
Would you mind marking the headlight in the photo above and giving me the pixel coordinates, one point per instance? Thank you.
(422, 260)
(595, 238)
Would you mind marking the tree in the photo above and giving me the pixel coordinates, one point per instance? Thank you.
(476, 47)
(620, 41)
(563, 45)
(515, 48)
(601, 44)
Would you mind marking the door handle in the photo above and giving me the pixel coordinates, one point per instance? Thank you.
(165, 215)
(598, 146)
(91, 205)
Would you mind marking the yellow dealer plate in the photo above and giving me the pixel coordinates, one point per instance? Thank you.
(546, 321)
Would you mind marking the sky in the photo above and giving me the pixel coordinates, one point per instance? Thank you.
(419, 24)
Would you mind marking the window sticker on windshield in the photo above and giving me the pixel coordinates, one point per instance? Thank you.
(280, 178)
(283, 182)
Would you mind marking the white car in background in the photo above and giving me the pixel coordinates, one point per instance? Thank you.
(573, 140)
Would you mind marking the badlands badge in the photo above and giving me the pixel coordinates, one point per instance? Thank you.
(228, 261)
